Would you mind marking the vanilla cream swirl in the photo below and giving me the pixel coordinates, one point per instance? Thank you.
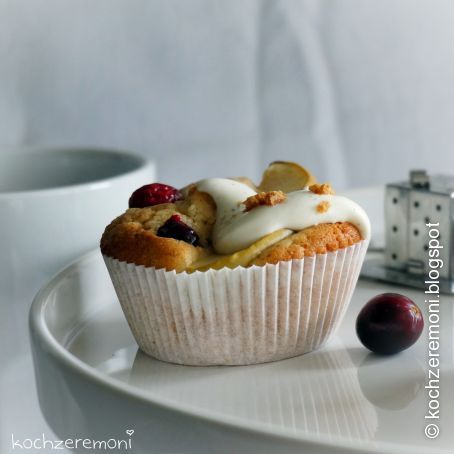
(236, 229)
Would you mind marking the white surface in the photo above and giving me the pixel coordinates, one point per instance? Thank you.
(338, 399)
(359, 91)
(40, 231)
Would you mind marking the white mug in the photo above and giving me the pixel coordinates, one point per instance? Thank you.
(54, 205)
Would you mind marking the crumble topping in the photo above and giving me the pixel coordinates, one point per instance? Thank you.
(322, 189)
(323, 207)
(264, 198)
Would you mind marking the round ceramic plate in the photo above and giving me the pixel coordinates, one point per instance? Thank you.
(94, 383)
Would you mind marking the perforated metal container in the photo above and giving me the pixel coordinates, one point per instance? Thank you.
(412, 209)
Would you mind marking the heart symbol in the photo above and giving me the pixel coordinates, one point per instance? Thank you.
(130, 432)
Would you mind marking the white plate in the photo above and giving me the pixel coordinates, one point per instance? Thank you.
(93, 382)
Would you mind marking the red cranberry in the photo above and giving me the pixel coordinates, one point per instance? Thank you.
(154, 194)
(175, 228)
(389, 323)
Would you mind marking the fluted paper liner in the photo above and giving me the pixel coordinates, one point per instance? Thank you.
(237, 316)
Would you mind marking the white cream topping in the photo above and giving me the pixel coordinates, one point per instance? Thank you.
(235, 229)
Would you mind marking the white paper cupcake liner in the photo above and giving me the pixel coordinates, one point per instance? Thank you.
(237, 316)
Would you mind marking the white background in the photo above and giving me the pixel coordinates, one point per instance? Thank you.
(357, 90)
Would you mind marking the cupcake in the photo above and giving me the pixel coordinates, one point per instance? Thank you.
(223, 272)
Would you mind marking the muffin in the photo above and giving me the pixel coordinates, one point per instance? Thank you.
(223, 272)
